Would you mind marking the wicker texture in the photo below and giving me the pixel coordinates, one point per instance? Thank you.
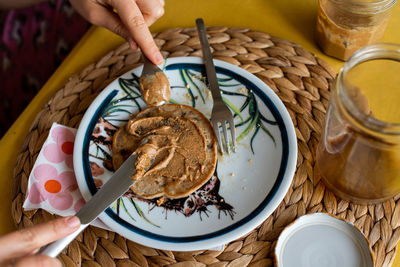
(300, 79)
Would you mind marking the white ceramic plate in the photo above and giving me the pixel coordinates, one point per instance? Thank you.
(248, 185)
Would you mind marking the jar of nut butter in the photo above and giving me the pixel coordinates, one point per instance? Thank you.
(358, 155)
(343, 26)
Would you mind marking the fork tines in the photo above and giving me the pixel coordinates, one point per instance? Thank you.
(223, 143)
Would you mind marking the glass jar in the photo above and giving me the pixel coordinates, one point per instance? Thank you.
(358, 155)
(343, 26)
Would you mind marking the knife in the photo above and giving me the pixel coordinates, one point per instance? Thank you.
(117, 185)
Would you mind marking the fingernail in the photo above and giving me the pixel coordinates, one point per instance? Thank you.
(73, 221)
(159, 58)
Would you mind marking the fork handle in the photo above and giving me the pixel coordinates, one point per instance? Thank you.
(208, 61)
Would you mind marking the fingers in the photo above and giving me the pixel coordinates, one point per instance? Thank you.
(162, 3)
(38, 260)
(131, 23)
(25, 241)
(132, 18)
(111, 21)
(101, 15)
(151, 10)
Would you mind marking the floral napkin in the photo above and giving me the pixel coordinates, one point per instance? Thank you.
(52, 184)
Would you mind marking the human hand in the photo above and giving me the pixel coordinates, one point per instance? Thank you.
(17, 249)
(131, 20)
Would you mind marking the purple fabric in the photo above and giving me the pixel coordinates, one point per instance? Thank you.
(34, 41)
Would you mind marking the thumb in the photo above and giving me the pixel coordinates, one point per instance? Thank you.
(37, 260)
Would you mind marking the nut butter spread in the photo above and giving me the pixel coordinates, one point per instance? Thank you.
(178, 155)
(340, 32)
(155, 89)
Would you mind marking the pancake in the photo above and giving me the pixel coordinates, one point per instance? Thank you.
(180, 145)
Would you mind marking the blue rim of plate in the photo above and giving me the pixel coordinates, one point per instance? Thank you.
(286, 170)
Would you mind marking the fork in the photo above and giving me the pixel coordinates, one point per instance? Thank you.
(220, 114)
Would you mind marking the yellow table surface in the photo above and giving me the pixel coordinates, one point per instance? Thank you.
(288, 19)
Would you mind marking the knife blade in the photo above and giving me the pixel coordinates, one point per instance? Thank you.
(117, 185)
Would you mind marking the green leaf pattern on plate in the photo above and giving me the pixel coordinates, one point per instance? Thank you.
(255, 120)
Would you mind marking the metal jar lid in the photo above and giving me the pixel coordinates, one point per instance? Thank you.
(322, 240)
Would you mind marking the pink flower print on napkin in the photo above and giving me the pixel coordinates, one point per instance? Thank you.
(54, 187)
(79, 204)
(63, 147)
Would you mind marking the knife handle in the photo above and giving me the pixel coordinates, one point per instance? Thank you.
(55, 248)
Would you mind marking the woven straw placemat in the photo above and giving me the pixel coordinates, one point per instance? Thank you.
(300, 79)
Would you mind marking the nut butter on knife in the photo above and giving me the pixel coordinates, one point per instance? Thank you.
(118, 184)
